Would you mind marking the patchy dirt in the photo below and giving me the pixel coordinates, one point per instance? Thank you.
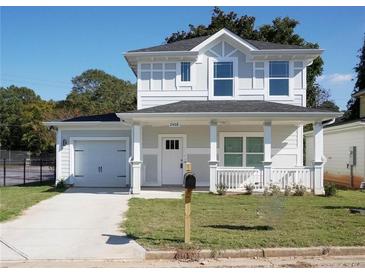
(343, 180)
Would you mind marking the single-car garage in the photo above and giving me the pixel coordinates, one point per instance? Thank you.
(99, 161)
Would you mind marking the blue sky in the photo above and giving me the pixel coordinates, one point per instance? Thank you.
(44, 47)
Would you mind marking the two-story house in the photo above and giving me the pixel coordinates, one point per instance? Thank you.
(234, 108)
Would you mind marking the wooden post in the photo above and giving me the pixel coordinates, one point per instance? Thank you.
(188, 193)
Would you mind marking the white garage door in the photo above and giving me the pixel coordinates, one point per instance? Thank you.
(100, 163)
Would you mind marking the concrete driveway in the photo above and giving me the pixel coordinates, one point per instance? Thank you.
(82, 223)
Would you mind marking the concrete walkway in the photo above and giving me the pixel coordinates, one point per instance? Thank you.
(82, 223)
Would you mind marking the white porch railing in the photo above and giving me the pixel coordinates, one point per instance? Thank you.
(283, 177)
(236, 178)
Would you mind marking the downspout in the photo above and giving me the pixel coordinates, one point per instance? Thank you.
(330, 122)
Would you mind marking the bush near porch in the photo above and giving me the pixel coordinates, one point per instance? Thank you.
(243, 221)
(15, 199)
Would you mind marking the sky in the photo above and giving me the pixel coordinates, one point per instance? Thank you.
(44, 47)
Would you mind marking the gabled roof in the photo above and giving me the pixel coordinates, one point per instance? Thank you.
(189, 44)
(108, 117)
(190, 48)
(228, 106)
(182, 45)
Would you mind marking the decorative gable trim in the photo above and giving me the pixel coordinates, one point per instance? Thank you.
(227, 33)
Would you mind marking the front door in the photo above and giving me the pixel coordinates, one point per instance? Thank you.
(172, 161)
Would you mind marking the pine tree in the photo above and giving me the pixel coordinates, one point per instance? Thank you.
(353, 105)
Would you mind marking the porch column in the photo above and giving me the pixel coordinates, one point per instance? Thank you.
(318, 161)
(136, 161)
(58, 155)
(213, 162)
(267, 153)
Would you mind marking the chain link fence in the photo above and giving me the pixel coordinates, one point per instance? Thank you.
(23, 167)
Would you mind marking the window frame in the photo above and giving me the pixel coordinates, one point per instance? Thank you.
(162, 70)
(244, 136)
(181, 72)
(288, 97)
(213, 60)
(255, 153)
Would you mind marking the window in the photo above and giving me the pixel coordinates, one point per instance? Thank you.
(185, 71)
(158, 76)
(279, 78)
(223, 79)
(259, 75)
(172, 144)
(233, 151)
(254, 151)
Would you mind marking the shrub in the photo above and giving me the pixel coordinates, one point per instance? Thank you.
(287, 190)
(61, 183)
(299, 190)
(274, 190)
(330, 190)
(221, 188)
(266, 191)
(249, 188)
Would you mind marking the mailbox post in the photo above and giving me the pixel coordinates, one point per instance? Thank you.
(189, 184)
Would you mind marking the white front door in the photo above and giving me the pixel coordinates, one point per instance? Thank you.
(172, 161)
(100, 163)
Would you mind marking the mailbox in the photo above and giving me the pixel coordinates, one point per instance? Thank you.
(189, 181)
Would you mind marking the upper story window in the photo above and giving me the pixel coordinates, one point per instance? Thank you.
(279, 78)
(185, 71)
(223, 78)
(157, 76)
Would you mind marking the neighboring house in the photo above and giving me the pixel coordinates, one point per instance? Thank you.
(344, 148)
(234, 108)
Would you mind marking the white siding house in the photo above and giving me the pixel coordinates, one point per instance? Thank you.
(340, 138)
(234, 108)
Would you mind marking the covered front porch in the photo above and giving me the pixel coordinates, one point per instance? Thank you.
(233, 150)
(234, 159)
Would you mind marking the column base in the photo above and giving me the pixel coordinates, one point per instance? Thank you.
(267, 173)
(213, 176)
(318, 186)
(136, 177)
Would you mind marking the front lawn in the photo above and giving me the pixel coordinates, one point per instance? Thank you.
(242, 221)
(15, 199)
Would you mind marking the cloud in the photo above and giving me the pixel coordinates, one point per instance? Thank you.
(336, 78)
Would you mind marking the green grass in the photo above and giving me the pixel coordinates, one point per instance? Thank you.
(15, 199)
(242, 221)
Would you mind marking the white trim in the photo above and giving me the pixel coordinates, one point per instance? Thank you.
(339, 128)
(159, 155)
(58, 155)
(220, 33)
(242, 134)
(267, 141)
(72, 152)
(290, 96)
(211, 61)
(300, 145)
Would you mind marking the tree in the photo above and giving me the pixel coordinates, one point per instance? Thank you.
(21, 115)
(96, 92)
(330, 105)
(353, 105)
(282, 30)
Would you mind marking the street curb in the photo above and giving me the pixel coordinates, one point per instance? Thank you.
(261, 253)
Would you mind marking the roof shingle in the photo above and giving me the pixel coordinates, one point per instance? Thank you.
(227, 106)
